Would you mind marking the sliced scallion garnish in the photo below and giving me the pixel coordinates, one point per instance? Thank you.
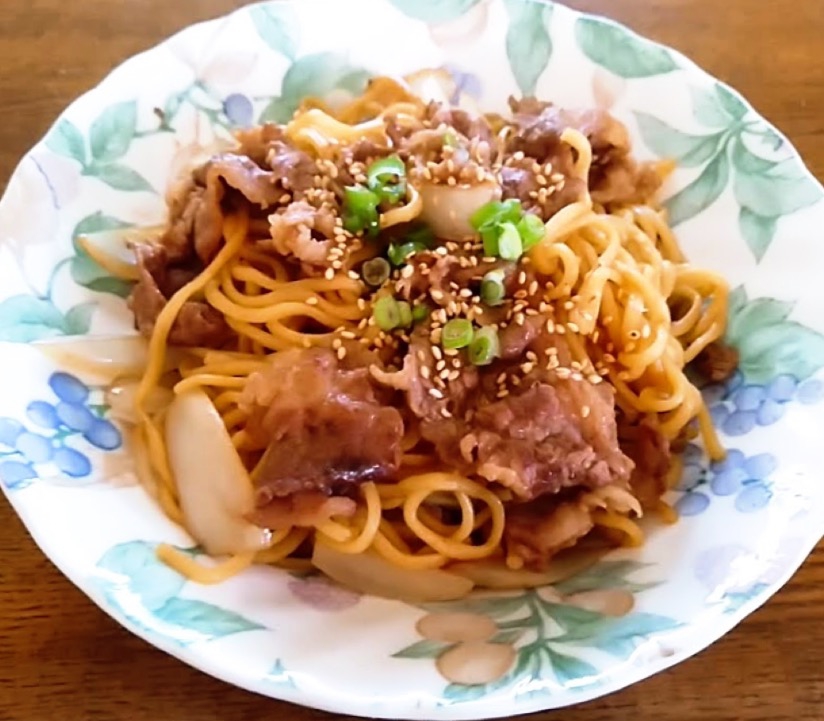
(510, 246)
(387, 179)
(531, 229)
(457, 333)
(386, 313)
(376, 272)
(360, 210)
(485, 346)
(492, 288)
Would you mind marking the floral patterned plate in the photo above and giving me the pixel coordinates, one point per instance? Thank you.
(742, 202)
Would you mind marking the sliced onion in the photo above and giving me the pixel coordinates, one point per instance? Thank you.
(495, 574)
(447, 208)
(112, 249)
(369, 573)
(108, 356)
(432, 84)
(215, 491)
(120, 397)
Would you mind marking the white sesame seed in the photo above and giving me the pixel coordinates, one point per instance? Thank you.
(435, 393)
(585, 412)
(445, 413)
(341, 353)
(312, 300)
(329, 274)
(425, 372)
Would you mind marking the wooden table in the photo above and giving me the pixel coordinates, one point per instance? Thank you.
(61, 658)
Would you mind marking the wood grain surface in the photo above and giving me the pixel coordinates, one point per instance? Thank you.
(61, 658)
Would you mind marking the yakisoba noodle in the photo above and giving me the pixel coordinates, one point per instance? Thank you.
(612, 274)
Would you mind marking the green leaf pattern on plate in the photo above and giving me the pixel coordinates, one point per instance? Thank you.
(769, 343)
(621, 52)
(277, 26)
(132, 570)
(313, 75)
(27, 318)
(68, 141)
(434, 11)
(110, 137)
(551, 637)
(766, 188)
(528, 43)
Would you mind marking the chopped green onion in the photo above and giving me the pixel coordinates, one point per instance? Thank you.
(420, 233)
(496, 212)
(457, 333)
(420, 312)
(399, 253)
(387, 179)
(386, 313)
(375, 272)
(405, 314)
(509, 242)
(450, 139)
(531, 229)
(360, 210)
(492, 288)
(490, 241)
(485, 347)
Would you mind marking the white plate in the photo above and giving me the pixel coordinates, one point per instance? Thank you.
(743, 204)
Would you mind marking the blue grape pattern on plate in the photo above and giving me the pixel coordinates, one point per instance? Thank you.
(745, 478)
(46, 445)
(738, 406)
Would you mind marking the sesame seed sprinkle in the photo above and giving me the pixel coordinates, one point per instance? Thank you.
(329, 274)
(312, 300)
(435, 393)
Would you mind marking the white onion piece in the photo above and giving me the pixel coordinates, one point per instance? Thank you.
(214, 486)
(120, 397)
(107, 356)
(112, 249)
(495, 574)
(432, 84)
(370, 574)
(448, 208)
